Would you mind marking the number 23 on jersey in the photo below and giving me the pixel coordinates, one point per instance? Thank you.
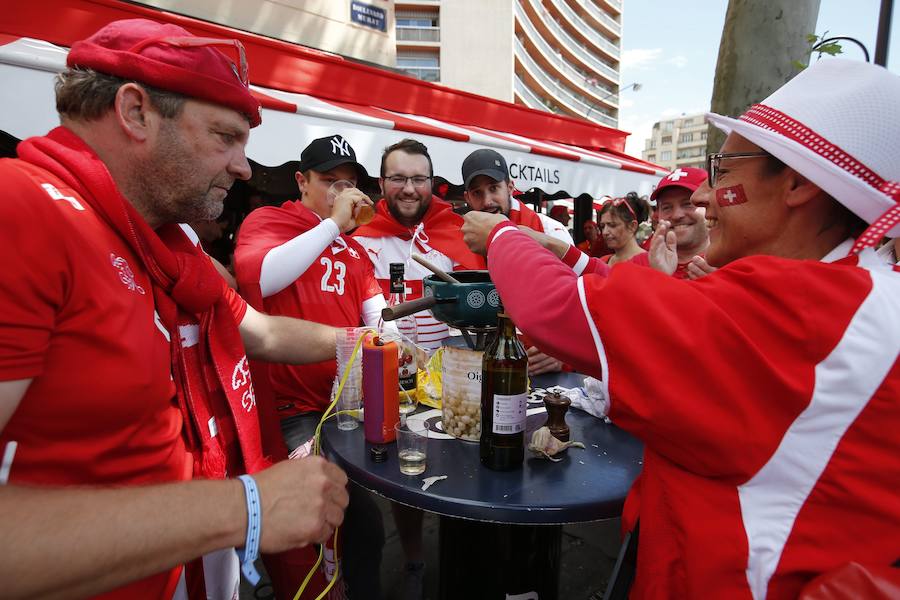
(333, 278)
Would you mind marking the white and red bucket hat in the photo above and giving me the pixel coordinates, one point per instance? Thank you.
(837, 123)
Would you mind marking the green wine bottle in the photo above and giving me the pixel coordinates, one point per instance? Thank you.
(504, 399)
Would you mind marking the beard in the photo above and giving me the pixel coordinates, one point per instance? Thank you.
(424, 203)
(169, 186)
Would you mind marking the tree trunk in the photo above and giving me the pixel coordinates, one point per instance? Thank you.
(760, 40)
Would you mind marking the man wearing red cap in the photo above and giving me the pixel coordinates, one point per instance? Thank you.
(122, 365)
(679, 215)
(770, 448)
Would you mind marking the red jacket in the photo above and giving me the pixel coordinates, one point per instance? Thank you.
(766, 396)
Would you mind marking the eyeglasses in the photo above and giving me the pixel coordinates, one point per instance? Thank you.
(240, 68)
(418, 181)
(713, 160)
(619, 202)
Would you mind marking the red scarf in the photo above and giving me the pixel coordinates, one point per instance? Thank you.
(211, 378)
(441, 226)
(522, 215)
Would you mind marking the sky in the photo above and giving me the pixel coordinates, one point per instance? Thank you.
(671, 48)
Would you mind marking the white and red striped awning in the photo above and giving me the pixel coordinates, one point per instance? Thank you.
(453, 128)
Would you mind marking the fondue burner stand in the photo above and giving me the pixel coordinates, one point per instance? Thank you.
(477, 337)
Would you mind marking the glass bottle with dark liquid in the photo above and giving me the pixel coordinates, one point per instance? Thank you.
(407, 327)
(504, 399)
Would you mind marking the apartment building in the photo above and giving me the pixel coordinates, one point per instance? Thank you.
(678, 142)
(560, 56)
(363, 30)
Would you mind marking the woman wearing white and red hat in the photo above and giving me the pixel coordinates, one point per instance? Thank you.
(769, 420)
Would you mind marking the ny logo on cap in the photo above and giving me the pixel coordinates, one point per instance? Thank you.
(497, 163)
(676, 175)
(340, 146)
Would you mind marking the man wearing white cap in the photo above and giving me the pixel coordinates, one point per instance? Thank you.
(123, 372)
(770, 447)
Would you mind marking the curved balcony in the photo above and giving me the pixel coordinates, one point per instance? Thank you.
(615, 4)
(585, 29)
(599, 15)
(529, 97)
(554, 57)
(576, 104)
(570, 44)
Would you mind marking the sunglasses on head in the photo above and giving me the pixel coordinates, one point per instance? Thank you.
(240, 66)
(619, 202)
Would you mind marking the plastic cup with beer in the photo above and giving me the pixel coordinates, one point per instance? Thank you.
(363, 213)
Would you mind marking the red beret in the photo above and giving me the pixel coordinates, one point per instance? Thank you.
(170, 58)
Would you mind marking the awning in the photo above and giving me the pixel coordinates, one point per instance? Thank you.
(547, 159)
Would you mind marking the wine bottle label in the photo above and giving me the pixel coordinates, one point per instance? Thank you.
(509, 413)
(407, 364)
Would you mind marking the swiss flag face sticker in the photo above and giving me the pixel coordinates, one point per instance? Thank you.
(731, 196)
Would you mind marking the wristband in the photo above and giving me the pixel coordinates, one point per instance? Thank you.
(250, 551)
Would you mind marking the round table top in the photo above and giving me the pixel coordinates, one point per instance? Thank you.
(587, 485)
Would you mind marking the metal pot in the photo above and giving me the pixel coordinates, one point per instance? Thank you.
(471, 303)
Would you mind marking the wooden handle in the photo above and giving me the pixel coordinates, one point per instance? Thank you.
(404, 309)
(428, 265)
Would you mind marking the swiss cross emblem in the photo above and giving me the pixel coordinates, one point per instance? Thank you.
(126, 275)
(339, 146)
(676, 175)
(731, 196)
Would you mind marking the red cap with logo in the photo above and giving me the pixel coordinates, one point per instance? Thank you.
(170, 58)
(689, 178)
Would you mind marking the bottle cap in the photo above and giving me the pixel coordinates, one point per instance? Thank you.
(378, 453)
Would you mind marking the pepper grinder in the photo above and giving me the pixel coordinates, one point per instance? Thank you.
(557, 406)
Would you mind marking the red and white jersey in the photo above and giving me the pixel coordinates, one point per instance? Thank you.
(386, 250)
(770, 418)
(331, 291)
(77, 318)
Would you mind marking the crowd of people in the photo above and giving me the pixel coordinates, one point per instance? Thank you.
(139, 449)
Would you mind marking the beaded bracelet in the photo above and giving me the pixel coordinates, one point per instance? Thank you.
(249, 553)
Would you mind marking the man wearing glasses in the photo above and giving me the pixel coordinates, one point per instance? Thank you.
(122, 368)
(411, 220)
(769, 422)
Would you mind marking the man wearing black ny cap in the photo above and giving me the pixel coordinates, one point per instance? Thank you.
(489, 189)
(294, 259)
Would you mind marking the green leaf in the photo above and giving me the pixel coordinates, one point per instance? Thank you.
(798, 65)
(811, 38)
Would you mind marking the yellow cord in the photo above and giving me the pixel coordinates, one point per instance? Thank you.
(317, 450)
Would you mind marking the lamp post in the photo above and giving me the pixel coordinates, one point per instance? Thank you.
(636, 86)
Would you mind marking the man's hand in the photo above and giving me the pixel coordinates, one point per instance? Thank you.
(554, 245)
(698, 267)
(663, 255)
(303, 501)
(477, 228)
(539, 363)
(345, 206)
